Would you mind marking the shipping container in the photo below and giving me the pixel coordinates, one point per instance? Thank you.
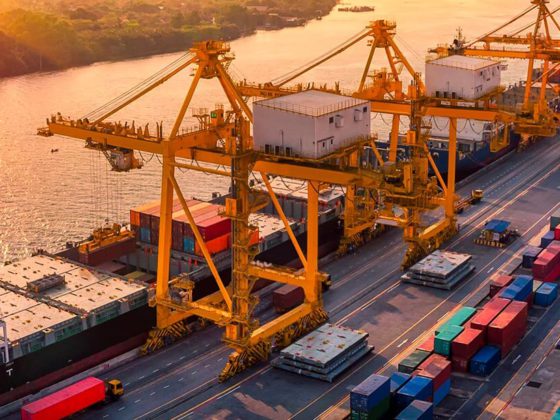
(442, 342)
(214, 246)
(437, 368)
(109, 252)
(485, 361)
(557, 233)
(466, 344)
(442, 392)
(66, 402)
(554, 220)
(530, 254)
(287, 297)
(497, 284)
(398, 379)
(546, 294)
(546, 266)
(546, 239)
(427, 345)
(508, 327)
(145, 235)
(371, 392)
(188, 245)
(417, 388)
(459, 318)
(520, 288)
(410, 363)
(417, 410)
(489, 311)
(379, 412)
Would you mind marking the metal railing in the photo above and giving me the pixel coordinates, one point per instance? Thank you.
(308, 110)
(4, 342)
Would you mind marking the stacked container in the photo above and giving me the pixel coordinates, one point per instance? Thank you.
(443, 340)
(485, 361)
(499, 283)
(459, 318)
(555, 220)
(438, 369)
(530, 254)
(464, 347)
(546, 294)
(427, 345)
(371, 399)
(417, 388)
(508, 327)
(409, 364)
(547, 265)
(489, 311)
(546, 239)
(521, 289)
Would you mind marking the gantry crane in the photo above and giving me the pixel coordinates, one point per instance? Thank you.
(224, 139)
(535, 118)
(387, 96)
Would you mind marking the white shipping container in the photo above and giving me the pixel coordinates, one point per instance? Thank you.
(309, 124)
(461, 77)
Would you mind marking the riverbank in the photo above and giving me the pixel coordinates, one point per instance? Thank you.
(54, 37)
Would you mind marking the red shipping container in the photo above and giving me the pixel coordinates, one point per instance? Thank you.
(215, 245)
(459, 364)
(489, 311)
(557, 233)
(437, 368)
(427, 345)
(508, 327)
(498, 283)
(553, 275)
(108, 253)
(214, 227)
(66, 402)
(547, 261)
(467, 343)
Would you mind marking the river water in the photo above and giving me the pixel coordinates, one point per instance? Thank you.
(49, 198)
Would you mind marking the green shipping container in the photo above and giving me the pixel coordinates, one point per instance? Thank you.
(442, 342)
(380, 411)
(460, 318)
(409, 364)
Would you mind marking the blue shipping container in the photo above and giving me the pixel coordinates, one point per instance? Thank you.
(485, 361)
(372, 391)
(546, 294)
(188, 245)
(530, 255)
(519, 289)
(145, 235)
(398, 379)
(547, 239)
(417, 410)
(417, 388)
(442, 392)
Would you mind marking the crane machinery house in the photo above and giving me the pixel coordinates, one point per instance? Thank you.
(462, 77)
(309, 124)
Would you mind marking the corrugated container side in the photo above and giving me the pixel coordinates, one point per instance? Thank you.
(66, 402)
(459, 364)
(398, 379)
(287, 297)
(489, 311)
(546, 294)
(214, 246)
(410, 363)
(554, 220)
(437, 368)
(499, 283)
(485, 361)
(467, 343)
(442, 392)
(508, 327)
(442, 342)
(427, 345)
(546, 239)
(417, 388)
(370, 393)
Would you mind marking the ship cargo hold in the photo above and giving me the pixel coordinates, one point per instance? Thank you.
(62, 318)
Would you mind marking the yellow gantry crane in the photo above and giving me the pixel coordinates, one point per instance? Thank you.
(534, 118)
(224, 139)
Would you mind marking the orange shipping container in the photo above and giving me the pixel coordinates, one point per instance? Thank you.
(214, 246)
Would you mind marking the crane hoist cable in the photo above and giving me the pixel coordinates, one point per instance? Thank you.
(509, 22)
(524, 28)
(135, 89)
(312, 63)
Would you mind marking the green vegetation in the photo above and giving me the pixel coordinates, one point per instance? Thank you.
(48, 35)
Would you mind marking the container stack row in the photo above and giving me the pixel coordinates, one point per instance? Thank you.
(214, 228)
(399, 396)
(546, 266)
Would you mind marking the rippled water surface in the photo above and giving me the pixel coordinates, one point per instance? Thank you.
(49, 198)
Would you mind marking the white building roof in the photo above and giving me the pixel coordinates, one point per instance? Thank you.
(464, 62)
(312, 102)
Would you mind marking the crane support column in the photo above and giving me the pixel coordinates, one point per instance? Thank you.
(313, 286)
(451, 167)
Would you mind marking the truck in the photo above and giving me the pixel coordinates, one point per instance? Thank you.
(475, 198)
(73, 399)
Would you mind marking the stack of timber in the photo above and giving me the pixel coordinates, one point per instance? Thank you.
(440, 269)
(324, 353)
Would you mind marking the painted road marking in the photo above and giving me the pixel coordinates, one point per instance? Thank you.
(122, 408)
(153, 393)
(181, 358)
(206, 366)
(194, 372)
(166, 386)
(491, 268)
(220, 359)
(127, 384)
(137, 401)
(180, 379)
(155, 370)
(169, 364)
(403, 343)
(227, 393)
(141, 377)
(516, 359)
(105, 416)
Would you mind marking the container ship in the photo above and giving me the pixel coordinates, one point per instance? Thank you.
(71, 311)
